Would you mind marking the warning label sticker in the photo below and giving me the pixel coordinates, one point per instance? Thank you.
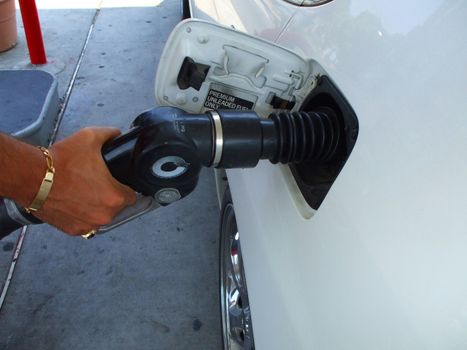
(221, 100)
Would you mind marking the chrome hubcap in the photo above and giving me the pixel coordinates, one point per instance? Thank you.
(236, 316)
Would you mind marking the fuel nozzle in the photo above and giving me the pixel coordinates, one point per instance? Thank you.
(167, 147)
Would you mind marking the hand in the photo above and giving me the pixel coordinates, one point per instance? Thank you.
(84, 195)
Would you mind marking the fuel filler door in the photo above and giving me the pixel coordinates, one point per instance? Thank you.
(205, 66)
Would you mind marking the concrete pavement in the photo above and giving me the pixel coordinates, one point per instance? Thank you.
(151, 284)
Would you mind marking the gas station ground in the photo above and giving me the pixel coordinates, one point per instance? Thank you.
(151, 284)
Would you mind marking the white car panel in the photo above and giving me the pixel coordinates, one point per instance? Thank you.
(381, 264)
(204, 9)
(263, 18)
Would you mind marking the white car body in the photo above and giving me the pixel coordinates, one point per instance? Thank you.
(382, 263)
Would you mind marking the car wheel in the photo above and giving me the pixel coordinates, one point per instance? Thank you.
(185, 9)
(237, 328)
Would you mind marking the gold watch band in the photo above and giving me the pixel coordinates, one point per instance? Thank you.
(46, 184)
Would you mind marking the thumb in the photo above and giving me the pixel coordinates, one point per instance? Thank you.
(129, 194)
(104, 134)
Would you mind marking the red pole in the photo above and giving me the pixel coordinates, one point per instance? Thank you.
(32, 28)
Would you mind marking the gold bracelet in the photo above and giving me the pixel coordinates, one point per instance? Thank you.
(46, 184)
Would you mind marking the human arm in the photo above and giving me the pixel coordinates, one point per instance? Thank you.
(84, 195)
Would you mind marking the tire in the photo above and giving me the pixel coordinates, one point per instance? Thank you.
(237, 331)
(185, 9)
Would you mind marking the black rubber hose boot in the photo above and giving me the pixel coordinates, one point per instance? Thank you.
(312, 136)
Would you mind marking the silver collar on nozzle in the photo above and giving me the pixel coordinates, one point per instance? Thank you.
(218, 138)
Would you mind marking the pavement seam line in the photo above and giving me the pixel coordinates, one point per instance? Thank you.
(71, 85)
(19, 244)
